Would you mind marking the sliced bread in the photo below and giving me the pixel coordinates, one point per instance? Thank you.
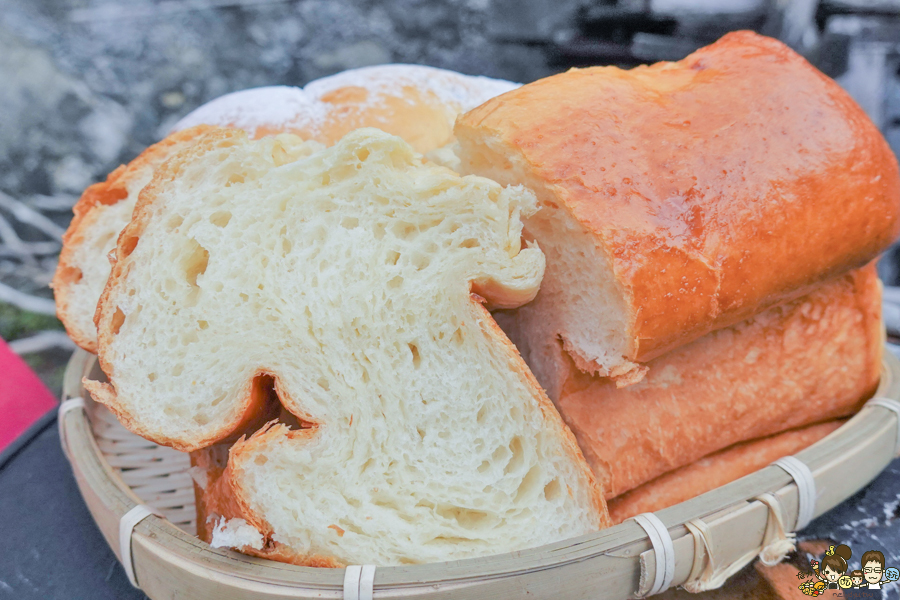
(350, 281)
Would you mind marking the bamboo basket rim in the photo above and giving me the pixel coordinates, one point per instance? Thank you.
(604, 564)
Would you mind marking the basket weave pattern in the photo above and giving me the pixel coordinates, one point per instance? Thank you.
(158, 475)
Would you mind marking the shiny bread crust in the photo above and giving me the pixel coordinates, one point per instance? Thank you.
(717, 186)
(715, 470)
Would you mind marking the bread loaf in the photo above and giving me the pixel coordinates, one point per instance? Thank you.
(715, 470)
(344, 279)
(680, 198)
(813, 359)
(418, 103)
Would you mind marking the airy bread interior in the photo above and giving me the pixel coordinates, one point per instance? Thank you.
(417, 103)
(346, 278)
(87, 268)
(100, 214)
(579, 286)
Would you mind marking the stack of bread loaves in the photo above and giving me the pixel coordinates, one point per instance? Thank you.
(304, 311)
(708, 230)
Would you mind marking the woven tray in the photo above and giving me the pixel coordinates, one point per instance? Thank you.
(116, 470)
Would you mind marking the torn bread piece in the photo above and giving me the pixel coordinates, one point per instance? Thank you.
(350, 280)
(809, 360)
(100, 214)
(680, 198)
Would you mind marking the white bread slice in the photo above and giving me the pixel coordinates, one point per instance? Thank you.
(100, 214)
(343, 276)
(417, 103)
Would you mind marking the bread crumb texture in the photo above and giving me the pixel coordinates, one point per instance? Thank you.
(235, 533)
(346, 276)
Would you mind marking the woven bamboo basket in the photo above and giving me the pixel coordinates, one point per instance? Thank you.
(116, 470)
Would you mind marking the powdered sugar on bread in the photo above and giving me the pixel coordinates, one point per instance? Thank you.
(305, 109)
(419, 104)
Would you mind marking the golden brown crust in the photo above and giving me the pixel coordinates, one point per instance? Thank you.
(227, 498)
(720, 185)
(218, 500)
(715, 470)
(210, 463)
(811, 360)
(111, 191)
(417, 116)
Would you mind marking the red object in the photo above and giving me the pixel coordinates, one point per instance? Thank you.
(23, 397)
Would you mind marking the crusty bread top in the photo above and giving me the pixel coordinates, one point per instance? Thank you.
(417, 103)
(342, 278)
(715, 187)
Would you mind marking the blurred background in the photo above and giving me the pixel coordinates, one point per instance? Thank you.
(85, 85)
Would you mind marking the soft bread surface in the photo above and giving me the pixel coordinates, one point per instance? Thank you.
(100, 214)
(715, 470)
(680, 198)
(419, 104)
(343, 277)
(810, 360)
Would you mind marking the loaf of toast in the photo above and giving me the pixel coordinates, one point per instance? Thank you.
(680, 198)
(715, 470)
